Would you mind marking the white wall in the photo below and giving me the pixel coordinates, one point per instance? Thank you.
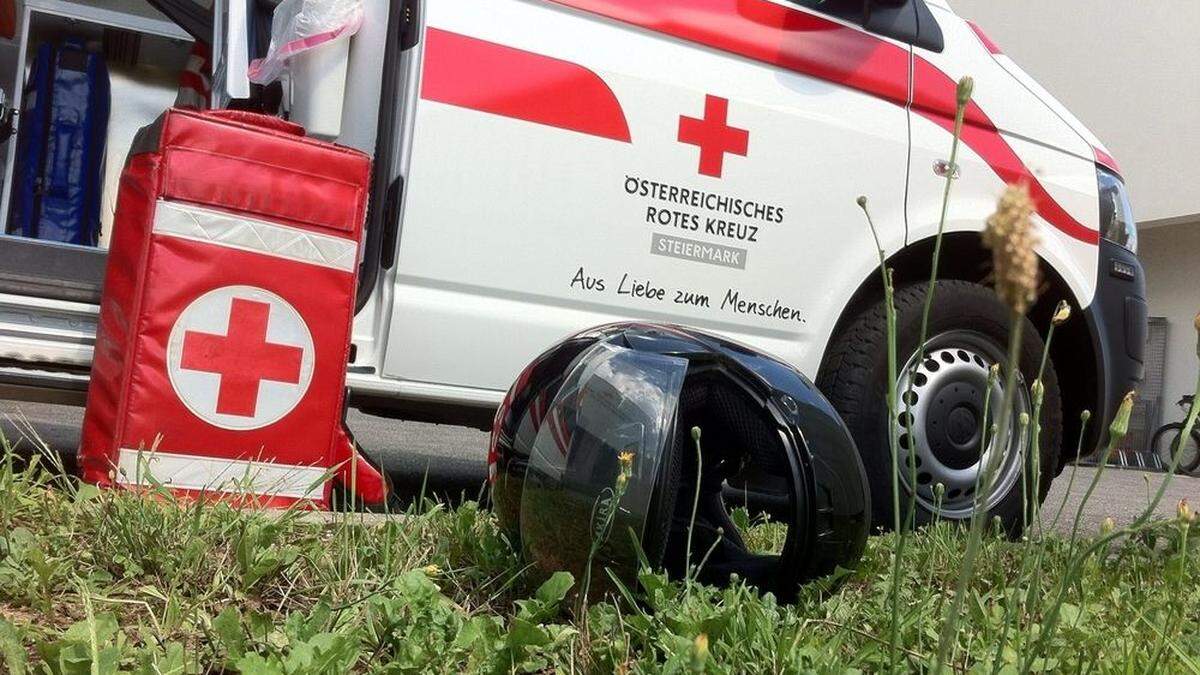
(1129, 70)
(1171, 255)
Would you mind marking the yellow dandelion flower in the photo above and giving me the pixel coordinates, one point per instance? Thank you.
(1062, 313)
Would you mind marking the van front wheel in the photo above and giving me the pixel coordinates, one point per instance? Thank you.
(941, 402)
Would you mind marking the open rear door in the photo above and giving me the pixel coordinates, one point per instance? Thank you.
(226, 26)
(231, 51)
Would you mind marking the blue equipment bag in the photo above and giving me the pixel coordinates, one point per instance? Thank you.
(60, 146)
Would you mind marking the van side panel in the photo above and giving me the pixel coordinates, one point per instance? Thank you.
(570, 170)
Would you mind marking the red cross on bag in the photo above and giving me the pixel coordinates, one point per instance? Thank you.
(220, 359)
(242, 357)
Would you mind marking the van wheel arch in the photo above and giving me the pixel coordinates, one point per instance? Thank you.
(965, 259)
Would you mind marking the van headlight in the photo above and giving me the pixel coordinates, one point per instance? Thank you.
(1116, 215)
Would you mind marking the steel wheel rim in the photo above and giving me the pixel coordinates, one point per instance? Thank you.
(935, 420)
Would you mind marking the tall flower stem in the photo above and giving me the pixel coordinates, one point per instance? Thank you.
(963, 97)
(966, 87)
(1009, 235)
(978, 513)
(890, 395)
(695, 504)
(602, 518)
(1084, 418)
(1031, 565)
(1176, 608)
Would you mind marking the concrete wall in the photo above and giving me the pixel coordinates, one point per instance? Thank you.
(1171, 255)
(1129, 70)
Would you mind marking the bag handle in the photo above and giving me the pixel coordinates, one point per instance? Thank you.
(260, 120)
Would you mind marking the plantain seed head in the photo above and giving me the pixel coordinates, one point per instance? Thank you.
(1012, 240)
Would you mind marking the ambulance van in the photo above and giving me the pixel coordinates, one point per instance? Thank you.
(545, 166)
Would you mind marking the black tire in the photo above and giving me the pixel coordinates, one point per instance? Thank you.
(854, 378)
(1163, 445)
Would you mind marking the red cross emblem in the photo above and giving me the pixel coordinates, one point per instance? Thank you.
(713, 135)
(240, 357)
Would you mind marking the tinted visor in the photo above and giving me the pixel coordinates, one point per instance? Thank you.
(595, 462)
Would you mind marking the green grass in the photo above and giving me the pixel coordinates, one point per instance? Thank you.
(99, 581)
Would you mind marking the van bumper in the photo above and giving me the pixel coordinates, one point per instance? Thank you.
(1118, 322)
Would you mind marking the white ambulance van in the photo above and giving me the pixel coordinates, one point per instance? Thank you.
(544, 166)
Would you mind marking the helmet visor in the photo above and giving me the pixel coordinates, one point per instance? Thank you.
(594, 465)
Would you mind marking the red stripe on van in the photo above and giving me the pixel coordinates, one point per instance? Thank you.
(818, 47)
(1106, 160)
(771, 33)
(988, 43)
(934, 98)
(493, 78)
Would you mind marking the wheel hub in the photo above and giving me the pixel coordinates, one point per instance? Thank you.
(953, 423)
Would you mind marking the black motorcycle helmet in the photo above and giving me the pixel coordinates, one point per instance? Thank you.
(594, 443)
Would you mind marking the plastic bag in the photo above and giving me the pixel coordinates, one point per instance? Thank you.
(300, 25)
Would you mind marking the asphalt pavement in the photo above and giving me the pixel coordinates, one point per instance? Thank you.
(446, 461)
(451, 462)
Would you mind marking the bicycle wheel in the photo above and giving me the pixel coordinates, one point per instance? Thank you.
(1164, 444)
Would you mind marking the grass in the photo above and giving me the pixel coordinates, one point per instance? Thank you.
(101, 582)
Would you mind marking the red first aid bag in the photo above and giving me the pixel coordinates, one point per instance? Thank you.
(220, 360)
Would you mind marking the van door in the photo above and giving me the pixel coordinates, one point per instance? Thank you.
(231, 51)
(577, 162)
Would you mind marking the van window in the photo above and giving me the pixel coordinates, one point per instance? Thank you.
(850, 10)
